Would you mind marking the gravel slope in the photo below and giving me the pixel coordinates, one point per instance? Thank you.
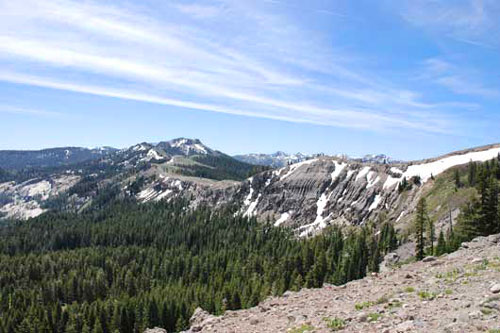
(459, 292)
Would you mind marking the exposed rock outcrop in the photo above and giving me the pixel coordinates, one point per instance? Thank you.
(155, 330)
(453, 293)
(306, 196)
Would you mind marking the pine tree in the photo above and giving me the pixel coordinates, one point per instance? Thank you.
(430, 235)
(458, 183)
(375, 258)
(441, 247)
(97, 327)
(420, 222)
(472, 173)
(490, 215)
(85, 328)
(468, 221)
(403, 185)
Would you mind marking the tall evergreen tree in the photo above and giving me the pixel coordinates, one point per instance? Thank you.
(430, 235)
(456, 176)
(441, 247)
(420, 223)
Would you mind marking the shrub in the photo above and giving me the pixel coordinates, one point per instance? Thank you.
(335, 324)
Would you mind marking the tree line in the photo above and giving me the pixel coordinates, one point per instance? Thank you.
(125, 267)
(479, 217)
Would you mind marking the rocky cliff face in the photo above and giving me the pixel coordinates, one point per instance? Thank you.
(305, 196)
(459, 292)
(312, 194)
(308, 196)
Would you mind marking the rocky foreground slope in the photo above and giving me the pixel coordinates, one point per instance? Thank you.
(459, 292)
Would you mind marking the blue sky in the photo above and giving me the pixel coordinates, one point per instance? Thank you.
(409, 78)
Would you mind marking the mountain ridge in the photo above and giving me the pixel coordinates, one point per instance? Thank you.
(306, 196)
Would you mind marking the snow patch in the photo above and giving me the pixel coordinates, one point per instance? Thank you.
(139, 147)
(396, 170)
(320, 222)
(401, 216)
(163, 195)
(321, 204)
(373, 182)
(375, 203)
(362, 173)
(178, 183)
(390, 182)
(248, 201)
(187, 146)
(153, 154)
(268, 182)
(251, 207)
(146, 194)
(426, 170)
(282, 219)
(338, 169)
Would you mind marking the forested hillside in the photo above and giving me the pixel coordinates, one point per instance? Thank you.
(130, 266)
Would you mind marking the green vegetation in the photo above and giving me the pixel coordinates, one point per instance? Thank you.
(302, 329)
(363, 305)
(409, 289)
(476, 189)
(450, 276)
(406, 185)
(382, 300)
(374, 316)
(335, 324)
(220, 167)
(486, 311)
(367, 304)
(426, 295)
(120, 266)
(420, 221)
(394, 304)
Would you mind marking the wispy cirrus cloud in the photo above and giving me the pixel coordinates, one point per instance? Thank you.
(458, 79)
(470, 21)
(200, 11)
(29, 111)
(461, 85)
(249, 62)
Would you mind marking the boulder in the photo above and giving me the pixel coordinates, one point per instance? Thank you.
(495, 289)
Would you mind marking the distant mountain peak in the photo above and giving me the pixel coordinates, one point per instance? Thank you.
(185, 146)
(277, 160)
(378, 159)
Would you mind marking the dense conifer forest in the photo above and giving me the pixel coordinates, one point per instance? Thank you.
(479, 217)
(128, 267)
(120, 266)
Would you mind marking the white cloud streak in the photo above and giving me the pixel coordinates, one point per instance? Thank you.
(29, 111)
(251, 73)
(457, 79)
(470, 21)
